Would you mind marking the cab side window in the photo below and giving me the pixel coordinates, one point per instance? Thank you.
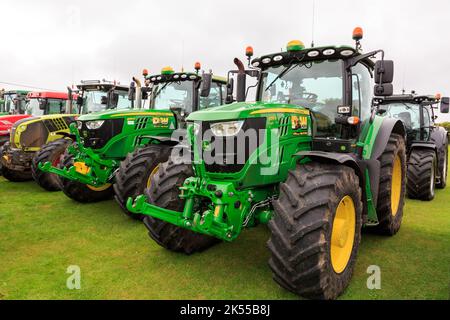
(362, 85)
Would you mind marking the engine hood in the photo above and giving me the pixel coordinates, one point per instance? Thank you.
(114, 114)
(240, 110)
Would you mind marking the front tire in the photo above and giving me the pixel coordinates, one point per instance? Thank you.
(81, 192)
(316, 230)
(391, 197)
(164, 192)
(50, 152)
(135, 172)
(421, 174)
(443, 164)
(16, 176)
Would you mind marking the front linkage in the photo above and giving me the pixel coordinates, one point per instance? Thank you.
(242, 208)
(88, 167)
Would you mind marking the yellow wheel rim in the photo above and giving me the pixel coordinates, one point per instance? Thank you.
(98, 189)
(343, 234)
(154, 171)
(396, 185)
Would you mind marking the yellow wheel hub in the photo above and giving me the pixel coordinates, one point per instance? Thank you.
(154, 171)
(101, 188)
(343, 234)
(396, 185)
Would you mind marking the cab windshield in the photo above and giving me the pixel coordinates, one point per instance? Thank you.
(173, 95)
(40, 107)
(97, 101)
(409, 114)
(317, 86)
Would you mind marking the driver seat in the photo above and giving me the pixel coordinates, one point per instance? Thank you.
(405, 117)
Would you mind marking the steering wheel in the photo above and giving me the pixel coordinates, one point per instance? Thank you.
(177, 102)
(310, 96)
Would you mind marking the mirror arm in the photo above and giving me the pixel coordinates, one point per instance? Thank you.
(357, 59)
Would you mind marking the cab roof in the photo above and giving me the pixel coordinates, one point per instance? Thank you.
(48, 95)
(410, 98)
(307, 55)
(181, 76)
(102, 85)
(24, 92)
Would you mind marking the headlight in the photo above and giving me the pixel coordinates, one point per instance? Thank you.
(227, 129)
(93, 125)
(79, 125)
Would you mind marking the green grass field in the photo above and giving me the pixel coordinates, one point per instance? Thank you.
(42, 233)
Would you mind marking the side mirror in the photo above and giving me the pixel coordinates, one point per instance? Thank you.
(384, 75)
(145, 91)
(42, 104)
(132, 91)
(383, 90)
(444, 104)
(205, 88)
(80, 100)
(112, 99)
(230, 87)
(384, 71)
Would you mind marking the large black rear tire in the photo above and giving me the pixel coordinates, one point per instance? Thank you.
(50, 152)
(313, 248)
(81, 192)
(391, 197)
(135, 172)
(164, 193)
(421, 174)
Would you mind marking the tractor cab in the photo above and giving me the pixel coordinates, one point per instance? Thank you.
(14, 102)
(333, 83)
(415, 111)
(184, 92)
(101, 95)
(46, 103)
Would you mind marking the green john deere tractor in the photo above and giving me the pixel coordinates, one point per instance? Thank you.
(310, 158)
(426, 144)
(93, 96)
(109, 146)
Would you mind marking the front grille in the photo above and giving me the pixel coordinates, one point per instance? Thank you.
(284, 126)
(34, 136)
(54, 125)
(229, 154)
(98, 138)
(141, 123)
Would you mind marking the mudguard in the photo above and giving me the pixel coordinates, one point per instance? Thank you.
(438, 136)
(388, 126)
(359, 166)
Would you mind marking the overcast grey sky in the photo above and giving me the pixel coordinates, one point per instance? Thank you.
(52, 44)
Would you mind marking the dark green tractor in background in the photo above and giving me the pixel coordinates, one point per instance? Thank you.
(311, 158)
(426, 143)
(115, 151)
(13, 101)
